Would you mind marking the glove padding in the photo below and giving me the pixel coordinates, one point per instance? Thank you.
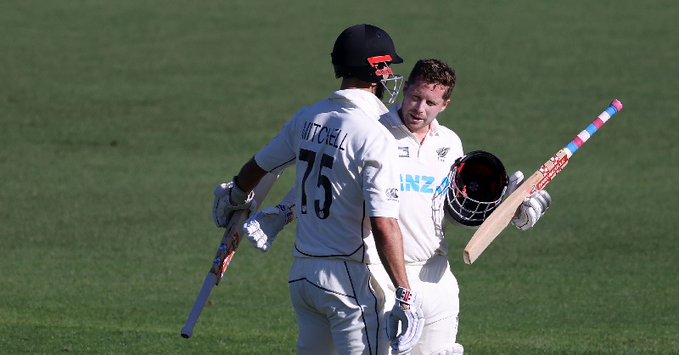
(228, 199)
(263, 228)
(532, 209)
(408, 313)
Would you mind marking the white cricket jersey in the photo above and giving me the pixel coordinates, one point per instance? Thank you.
(422, 169)
(345, 172)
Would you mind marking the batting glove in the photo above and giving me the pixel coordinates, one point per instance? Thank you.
(407, 313)
(263, 228)
(228, 198)
(532, 209)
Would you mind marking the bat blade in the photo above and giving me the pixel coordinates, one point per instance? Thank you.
(209, 283)
(225, 252)
(503, 214)
(227, 248)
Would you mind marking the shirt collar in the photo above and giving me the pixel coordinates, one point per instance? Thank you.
(362, 99)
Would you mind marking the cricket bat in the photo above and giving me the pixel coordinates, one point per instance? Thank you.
(225, 252)
(503, 214)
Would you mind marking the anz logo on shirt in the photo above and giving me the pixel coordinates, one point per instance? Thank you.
(423, 184)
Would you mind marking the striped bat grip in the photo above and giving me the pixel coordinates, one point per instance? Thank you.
(587, 133)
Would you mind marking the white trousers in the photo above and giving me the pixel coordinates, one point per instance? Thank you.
(438, 289)
(336, 308)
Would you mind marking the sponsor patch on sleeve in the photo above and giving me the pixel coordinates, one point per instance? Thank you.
(392, 194)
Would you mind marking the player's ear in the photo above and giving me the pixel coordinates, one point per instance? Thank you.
(445, 104)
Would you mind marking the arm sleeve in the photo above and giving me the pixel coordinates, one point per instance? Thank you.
(280, 152)
(380, 179)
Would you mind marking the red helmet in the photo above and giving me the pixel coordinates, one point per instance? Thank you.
(478, 182)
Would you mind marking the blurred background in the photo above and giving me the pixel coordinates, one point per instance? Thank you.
(117, 119)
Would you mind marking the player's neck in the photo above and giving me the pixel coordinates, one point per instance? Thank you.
(353, 83)
(421, 136)
(419, 133)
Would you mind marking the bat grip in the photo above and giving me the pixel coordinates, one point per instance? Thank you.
(579, 140)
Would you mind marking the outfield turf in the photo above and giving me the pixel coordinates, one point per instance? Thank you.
(117, 119)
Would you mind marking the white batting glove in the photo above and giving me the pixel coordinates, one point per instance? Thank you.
(531, 210)
(407, 313)
(263, 228)
(228, 199)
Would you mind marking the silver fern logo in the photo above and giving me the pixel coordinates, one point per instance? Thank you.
(392, 193)
(442, 152)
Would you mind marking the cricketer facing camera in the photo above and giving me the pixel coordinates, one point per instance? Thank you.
(435, 179)
(348, 194)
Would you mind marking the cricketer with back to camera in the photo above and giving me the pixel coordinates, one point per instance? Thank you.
(435, 179)
(347, 196)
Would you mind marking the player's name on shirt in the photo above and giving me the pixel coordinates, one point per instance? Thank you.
(320, 134)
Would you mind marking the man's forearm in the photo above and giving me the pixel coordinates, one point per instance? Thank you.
(249, 176)
(389, 242)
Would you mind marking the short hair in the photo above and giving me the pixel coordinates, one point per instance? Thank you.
(434, 71)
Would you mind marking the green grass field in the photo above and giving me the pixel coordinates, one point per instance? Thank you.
(118, 118)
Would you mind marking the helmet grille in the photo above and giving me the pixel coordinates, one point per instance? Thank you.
(478, 183)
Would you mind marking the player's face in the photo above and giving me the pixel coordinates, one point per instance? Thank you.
(422, 102)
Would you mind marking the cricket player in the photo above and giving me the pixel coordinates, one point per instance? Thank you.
(347, 186)
(426, 153)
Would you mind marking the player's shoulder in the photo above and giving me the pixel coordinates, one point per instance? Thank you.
(315, 108)
(391, 118)
(391, 121)
(380, 131)
(448, 134)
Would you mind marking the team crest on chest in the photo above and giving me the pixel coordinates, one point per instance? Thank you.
(403, 152)
(442, 152)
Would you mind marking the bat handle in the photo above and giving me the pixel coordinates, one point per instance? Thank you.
(579, 140)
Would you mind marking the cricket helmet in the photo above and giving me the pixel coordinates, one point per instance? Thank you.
(478, 182)
(365, 52)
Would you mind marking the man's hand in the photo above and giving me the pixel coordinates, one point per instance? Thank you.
(532, 209)
(228, 199)
(407, 313)
(263, 228)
